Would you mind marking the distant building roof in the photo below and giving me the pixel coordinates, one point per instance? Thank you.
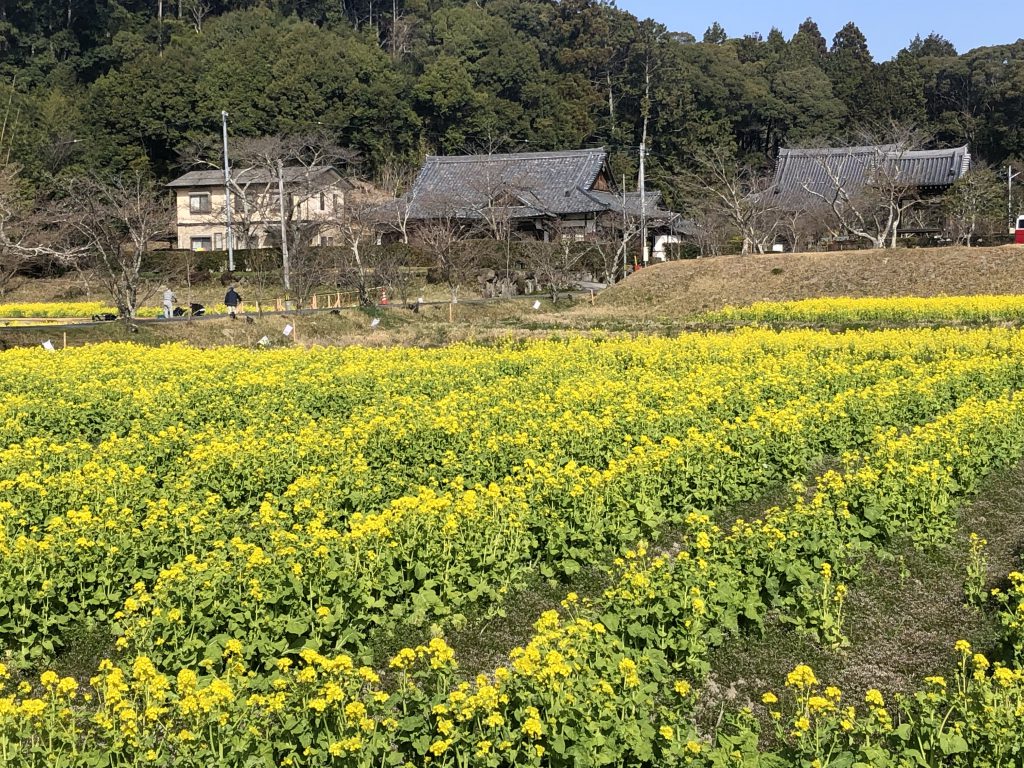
(246, 176)
(524, 185)
(803, 172)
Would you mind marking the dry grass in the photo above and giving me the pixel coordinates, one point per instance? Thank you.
(483, 323)
(683, 288)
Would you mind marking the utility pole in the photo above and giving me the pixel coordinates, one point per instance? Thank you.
(284, 227)
(625, 236)
(1010, 176)
(643, 205)
(227, 193)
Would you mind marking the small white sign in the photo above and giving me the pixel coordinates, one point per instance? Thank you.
(419, 300)
(48, 345)
(536, 305)
(375, 322)
(264, 342)
(288, 330)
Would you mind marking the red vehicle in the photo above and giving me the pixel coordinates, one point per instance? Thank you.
(1018, 234)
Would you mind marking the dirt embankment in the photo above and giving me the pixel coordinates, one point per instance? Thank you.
(683, 288)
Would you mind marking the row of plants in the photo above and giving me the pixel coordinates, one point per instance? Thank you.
(167, 558)
(968, 309)
(614, 684)
(69, 309)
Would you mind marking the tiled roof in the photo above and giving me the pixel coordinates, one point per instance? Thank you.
(527, 184)
(215, 178)
(800, 172)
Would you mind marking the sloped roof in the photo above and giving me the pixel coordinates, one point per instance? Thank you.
(527, 184)
(246, 176)
(802, 172)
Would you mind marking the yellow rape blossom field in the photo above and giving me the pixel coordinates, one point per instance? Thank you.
(960, 309)
(274, 547)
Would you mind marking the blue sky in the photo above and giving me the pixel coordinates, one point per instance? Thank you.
(888, 24)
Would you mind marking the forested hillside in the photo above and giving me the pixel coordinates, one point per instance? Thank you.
(116, 84)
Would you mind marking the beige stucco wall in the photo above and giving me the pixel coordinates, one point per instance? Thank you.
(213, 225)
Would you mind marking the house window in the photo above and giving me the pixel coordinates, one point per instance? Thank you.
(334, 202)
(218, 241)
(323, 201)
(326, 240)
(199, 202)
(202, 244)
(238, 201)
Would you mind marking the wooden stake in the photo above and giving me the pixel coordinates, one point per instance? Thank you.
(451, 311)
(65, 339)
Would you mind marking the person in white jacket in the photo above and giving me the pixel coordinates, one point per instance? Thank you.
(169, 299)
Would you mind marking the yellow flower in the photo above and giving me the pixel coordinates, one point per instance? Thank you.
(49, 678)
(666, 732)
(682, 687)
(233, 647)
(67, 686)
(801, 677)
(962, 646)
(694, 746)
(819, 703)
(874, 698)
(769, 698)
(533, 727)
(1004, 676)
(403, 658)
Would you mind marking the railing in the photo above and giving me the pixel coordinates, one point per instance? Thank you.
(329, 300)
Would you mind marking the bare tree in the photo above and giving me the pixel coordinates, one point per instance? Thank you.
(356, 225)
(974, 205)
(611, 239)
(114, 219)
(263, 274)
(395, 179)
(197, 10)
(496, 217)
(29, 236)
(721, 188)
(711, 230)
(441, 235)
(391, 269)
(867, 189)
(804, 225)
(556, 264)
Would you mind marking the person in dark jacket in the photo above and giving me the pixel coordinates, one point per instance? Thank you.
(232, 301)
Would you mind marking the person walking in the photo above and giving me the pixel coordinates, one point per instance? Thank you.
(232, 301)
(169, 298)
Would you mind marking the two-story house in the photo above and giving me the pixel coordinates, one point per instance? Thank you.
(313, 198)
